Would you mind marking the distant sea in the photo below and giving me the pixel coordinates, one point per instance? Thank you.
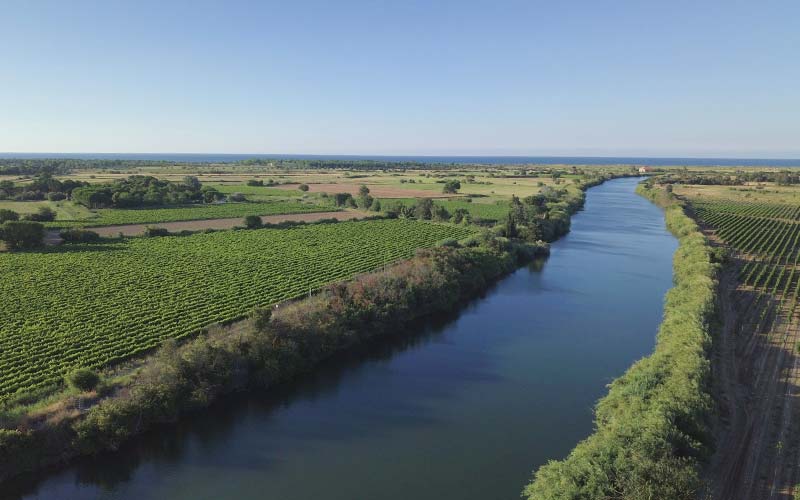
(488, 160)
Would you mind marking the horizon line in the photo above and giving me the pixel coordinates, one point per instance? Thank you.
(8, 155)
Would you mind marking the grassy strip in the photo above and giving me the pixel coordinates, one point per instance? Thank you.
(652, 428)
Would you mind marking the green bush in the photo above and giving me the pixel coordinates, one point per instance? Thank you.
(253, 222)
(22, 234)
(83, 379)
(155, 232)
(79, 236)
(8, 215)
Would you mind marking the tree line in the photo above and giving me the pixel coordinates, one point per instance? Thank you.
(143, 191)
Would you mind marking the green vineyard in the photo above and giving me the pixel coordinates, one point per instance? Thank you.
(766, 237)
(91, 305)
(116, 216)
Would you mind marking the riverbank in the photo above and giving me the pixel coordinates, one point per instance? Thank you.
(80, 424)
(264, 351)
(460, 405)
(653, 428)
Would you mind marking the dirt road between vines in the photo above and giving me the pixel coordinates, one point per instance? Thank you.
(755, 372)
(199, 225)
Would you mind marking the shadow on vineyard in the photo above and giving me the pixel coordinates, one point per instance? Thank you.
(170, 442)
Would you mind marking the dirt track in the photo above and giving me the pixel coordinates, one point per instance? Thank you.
(375, 190)
(199, 225)
(755, 371)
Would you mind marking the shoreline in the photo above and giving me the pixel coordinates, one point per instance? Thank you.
(177, 379)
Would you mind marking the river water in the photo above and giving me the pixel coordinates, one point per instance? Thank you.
(464, 408)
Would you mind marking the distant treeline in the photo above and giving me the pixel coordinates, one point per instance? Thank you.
(44, 185)
(65, 166)
(134, 191)
(781, 177)
(345, 164)
(143, 191)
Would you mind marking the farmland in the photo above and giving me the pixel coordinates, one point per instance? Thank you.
(757, 368)
(113, 217)
(478, 208)
(92, 305)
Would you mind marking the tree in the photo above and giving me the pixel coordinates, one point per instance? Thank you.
(303, 187)
(83, 379)
(192, 182)
(451, 187)
(261, 317)
(440, 213)
(44, 214)
(79, 236)
(342, 199)
(376, 206)
(7, 215)
(461, 215)
(255, 183)
(424, 209)
(253, 222)
(22, 234)
(511, 226)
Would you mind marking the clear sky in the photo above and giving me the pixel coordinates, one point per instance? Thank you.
(659, 78)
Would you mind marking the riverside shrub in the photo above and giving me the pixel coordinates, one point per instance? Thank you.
(652, 429)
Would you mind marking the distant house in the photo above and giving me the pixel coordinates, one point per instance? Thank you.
(644, 170)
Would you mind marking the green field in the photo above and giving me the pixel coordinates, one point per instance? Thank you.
(490, 210)
(90, 305)
(257, 193)
(766, 236)
(118, 216)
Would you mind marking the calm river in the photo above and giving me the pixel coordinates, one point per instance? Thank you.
(465, 408)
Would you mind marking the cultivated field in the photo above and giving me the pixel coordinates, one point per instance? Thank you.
(91, 305)
(220, 224)
(757, 368)
(113, 217)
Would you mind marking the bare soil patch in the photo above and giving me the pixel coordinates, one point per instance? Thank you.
(230, 223)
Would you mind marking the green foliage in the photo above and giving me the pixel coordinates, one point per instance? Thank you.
(303, 187)
(253, 222)
(44, 214)
(293, 340)
(343, 199)
(83, 379)
(89, 306)
(22, 234)
(79, 236)
(8, 215)
(652, 427)
(140, 191)
(156, 232)
(451, 187)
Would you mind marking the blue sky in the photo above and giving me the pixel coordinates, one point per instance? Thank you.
(668, 78)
